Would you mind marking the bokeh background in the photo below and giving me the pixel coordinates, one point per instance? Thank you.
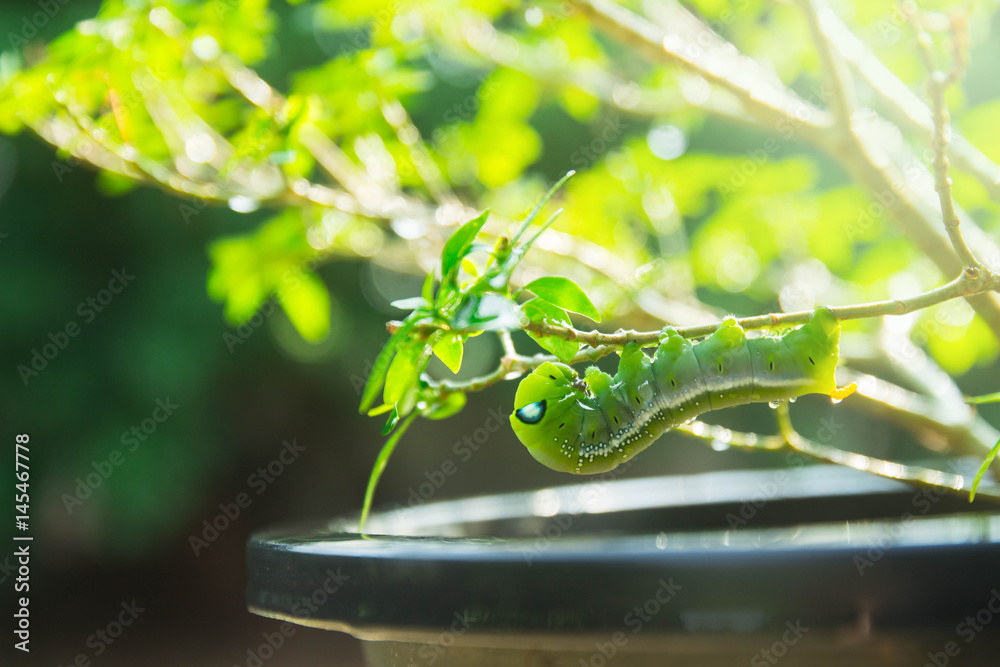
(64, 230)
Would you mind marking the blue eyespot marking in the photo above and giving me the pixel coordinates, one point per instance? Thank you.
(531, 413)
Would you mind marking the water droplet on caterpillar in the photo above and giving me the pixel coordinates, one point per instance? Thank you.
(774, 405)
(751, 439)
(792, 399)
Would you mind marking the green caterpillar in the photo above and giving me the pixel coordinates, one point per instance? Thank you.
(594, 424)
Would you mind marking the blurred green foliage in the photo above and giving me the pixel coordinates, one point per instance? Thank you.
(705, 211)
(272, 259)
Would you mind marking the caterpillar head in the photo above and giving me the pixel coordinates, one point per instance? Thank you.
(540, 406)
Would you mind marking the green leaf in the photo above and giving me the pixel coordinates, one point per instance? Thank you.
(566, 294)
(381, 410)
(488, 312)
(391, 421)
(988, 398)
(564, 350)
(307, 303)
(403, 377)
(428, 289)
(982, 471)
(540, 310)
(458, 246)
(404, 371)
(379, 468)
(446, 408)
(449, 350)
(470, 267)
(411, 303)
(382, 363)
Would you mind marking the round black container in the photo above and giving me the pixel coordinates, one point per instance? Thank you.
(812, 566)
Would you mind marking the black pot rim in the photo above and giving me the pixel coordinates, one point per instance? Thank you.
(917, 564)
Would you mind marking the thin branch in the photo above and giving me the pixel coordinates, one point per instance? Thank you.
(369, 196)
(408, 134)
(742, 439)
(838, 78)
(789, 438)
(762, 96)
(967, 284)
(155, 171)
(511, 367)
(920, 219)
(958, 484)
(937, 83)
(126, 160)
(905, 106)
(925, 417)
(507, 341)
(616, 91)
